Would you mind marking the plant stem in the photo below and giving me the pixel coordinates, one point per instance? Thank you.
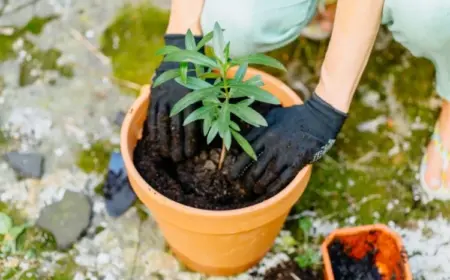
(223, 153)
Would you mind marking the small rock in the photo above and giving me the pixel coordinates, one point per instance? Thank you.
(119, 195)
(103, 258)
(29, 165)
(120, 116)
(12, 262)
(203, 155)
(209, 165)
(67, 219)
(214, 156)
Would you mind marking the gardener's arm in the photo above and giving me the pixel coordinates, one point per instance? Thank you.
(302, 134)
(355, 29)
(185, 15)
(171, 138)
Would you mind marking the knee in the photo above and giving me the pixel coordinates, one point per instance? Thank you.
(257, 26)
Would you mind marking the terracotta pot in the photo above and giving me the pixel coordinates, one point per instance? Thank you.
(214, 242)
(390, 259)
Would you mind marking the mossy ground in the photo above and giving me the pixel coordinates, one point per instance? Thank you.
(96, 158)
(38, 61)
(371, 176)
(31, 244)
(132, 40)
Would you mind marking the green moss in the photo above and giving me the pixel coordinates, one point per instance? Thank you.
(96, 158)
(67, 269)
(40, 60)
(132, 40)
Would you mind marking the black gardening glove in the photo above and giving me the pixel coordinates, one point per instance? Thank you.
(295, 136)
(174, 140)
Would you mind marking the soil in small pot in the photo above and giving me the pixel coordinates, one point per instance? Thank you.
(347, 267)
(291, 271)
(366, 256)
(197, 182)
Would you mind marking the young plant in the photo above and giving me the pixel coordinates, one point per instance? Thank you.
(307, 257)
(9, 234)
(219, 100)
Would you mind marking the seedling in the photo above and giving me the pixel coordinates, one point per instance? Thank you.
(9, 234)
(307, 257)
(225, 96)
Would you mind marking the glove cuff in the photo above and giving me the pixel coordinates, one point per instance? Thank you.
(331, 116)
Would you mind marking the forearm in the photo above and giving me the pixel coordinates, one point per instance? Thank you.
(355, 29)
(184, 15)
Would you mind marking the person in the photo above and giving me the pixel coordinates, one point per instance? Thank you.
(302, 134)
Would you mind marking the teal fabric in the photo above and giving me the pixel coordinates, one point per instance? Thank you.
(422, 26)
(257, 25)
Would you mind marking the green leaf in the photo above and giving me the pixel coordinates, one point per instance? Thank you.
(244, 144)
(16, 231)
(224, 119)
(247, 102)
(227, 139)
(211, 100)
(210, 75)
(213, 132)
(199, 70)
(168, 75)
(191, 56)
(193, 83)
(199, 114)
(305, 225)
(240, 73)
(192, 98)
(235, 126)
(206, 125)
(189, 41)
(261, 59)
(248, 115)
(183, 72)
(227, 51)
(218, 42)
(5, 223)
(206, 38)
(167, 50)
(242, 90)
(255, 81)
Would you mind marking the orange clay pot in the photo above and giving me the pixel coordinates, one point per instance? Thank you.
(390, 259)
(214, 242)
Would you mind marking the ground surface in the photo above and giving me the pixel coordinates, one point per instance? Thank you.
(67, 68)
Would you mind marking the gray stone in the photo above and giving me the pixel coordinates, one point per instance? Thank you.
(118, 120)
(67, 219)
(29, 165)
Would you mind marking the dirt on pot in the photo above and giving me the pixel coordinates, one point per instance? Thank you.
(370, 256)
(197, 182)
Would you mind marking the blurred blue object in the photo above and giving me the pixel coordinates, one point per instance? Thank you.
(119, 195)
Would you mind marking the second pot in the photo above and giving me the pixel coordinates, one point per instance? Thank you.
(214, 242)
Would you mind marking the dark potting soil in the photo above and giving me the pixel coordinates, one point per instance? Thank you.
(291, 271)
(197, 182)
(346, 267)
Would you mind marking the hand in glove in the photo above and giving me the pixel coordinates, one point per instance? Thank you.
(295, 136)
(168, 133)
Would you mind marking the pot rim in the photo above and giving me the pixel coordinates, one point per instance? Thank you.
(150, 191)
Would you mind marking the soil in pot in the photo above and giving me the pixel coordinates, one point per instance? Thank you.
(197, 182)
(367, 256)
(291, 271)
